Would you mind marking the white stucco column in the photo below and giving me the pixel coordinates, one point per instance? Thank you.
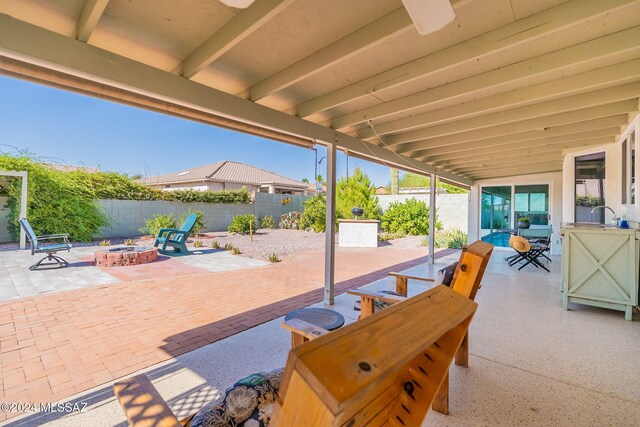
(272, 189)
(330, 234)
(23, 200)
(432, 219)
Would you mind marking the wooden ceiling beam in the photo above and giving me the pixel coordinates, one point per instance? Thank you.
(237, 29)
(599, 52)
(469, 140)
(533, 152)
(366, 37)
(510, 165)
(551, 114)
(511, 36)
(563, 93)
(89, 17)
(516, 171)
(538, 110)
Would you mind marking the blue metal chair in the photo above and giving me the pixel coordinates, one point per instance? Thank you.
(50, 249)
(177, 239)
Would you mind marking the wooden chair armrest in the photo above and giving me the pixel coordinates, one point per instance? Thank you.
(304, 329)
(142, 404)
(380, 296)
(408, 276)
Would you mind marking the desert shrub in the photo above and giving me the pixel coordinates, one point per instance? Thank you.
(198, 244)
(356, 191)
(56, 203)
(290, 220)
(199, 225)
(214, 245)
(453, 238)
(130, 242)
(383, 237)
(228, 247)
(235, 251)
(242, 224)
(410, 217)
(315, 214)
(274, 258)
(267, 222)
(105, 243)
(152, 226)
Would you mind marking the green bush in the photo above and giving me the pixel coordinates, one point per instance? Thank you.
(453, 238)
(56, 203)
(152, 226)
(267, 222)
(242, 224)
(290, 220)
(383, 237)
(315, 214)
(199, 225)
(356, 191)
(410, 217)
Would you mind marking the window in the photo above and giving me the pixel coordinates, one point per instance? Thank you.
(590, 187)
(629, 143)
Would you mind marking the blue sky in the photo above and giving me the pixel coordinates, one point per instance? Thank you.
(79, 130)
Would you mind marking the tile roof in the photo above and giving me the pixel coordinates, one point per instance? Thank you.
(224, 171)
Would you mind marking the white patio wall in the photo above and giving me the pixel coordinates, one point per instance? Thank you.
(128, 216)
(452, 209)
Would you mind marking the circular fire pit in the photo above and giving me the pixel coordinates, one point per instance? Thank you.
(130, 255)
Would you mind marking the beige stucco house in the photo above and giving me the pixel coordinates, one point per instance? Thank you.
(226, 175)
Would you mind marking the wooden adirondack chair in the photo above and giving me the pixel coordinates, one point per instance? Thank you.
(466, 281)
(382, 370)
(177, 239)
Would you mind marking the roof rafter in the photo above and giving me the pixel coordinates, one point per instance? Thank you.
(523, 151)
(89, 17)
(520, 170)
(511, 35)
(505, 134)
(536, 145)
(613, 101)
(232, 33)
(550, 91)
(368, 36)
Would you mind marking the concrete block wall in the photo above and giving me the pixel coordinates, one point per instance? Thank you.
(126, 217)
(452, 209)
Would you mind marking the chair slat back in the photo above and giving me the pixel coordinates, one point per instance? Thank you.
(33, 240)
(471, 267)
(189, 223)
(381, 368)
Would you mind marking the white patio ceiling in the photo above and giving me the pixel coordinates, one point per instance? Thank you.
(502, 90)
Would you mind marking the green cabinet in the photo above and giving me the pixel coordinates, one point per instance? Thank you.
(600, 267)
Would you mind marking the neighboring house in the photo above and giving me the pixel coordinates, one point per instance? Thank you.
(226, 175)
(382, 190)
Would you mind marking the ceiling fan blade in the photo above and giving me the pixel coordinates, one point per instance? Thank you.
(429, 15)
(238, 4)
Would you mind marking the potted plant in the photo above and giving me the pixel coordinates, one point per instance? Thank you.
(523, 222)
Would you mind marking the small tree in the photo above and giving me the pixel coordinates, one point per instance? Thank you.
(315, 214)
(356, 191)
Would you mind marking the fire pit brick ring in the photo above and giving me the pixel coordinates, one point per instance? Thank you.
(130, 255)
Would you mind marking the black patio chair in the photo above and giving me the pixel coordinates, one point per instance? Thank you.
(526, 252)
(50, 249)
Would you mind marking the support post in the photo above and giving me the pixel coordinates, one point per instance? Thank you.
(23, 209)
(330, 234)
(432, 219)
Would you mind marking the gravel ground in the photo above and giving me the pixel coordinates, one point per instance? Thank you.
(265, 242)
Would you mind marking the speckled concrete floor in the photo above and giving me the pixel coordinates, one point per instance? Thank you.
(531, 363)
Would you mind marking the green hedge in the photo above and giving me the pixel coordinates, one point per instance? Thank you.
(65, 201)
(56, 202)
(410, 217)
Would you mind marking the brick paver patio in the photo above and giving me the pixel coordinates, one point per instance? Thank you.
(54, 346)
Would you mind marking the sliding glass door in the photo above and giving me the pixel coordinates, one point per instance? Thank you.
(496, 215)
(502, 206)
